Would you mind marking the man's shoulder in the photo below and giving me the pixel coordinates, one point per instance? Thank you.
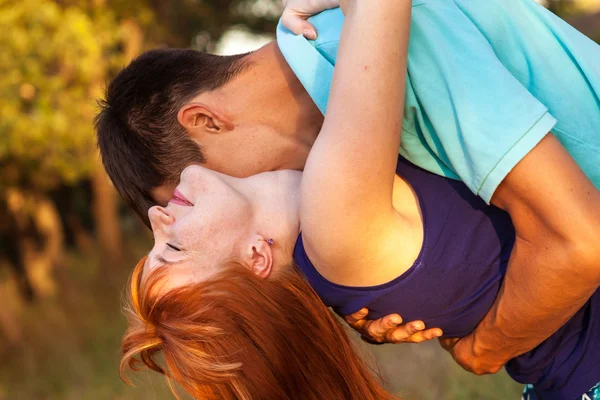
(329, 26)
(311, 63)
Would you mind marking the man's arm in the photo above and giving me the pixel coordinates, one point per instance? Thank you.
(555, 264)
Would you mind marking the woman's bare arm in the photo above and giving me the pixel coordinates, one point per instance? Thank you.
(347, 211)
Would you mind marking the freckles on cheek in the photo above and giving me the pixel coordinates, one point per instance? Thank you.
(202, 237)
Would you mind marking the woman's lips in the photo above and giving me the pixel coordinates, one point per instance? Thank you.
(179, 198)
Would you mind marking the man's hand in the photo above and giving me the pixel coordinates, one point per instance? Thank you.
(461, 350)
(296, 13)
(390, 329)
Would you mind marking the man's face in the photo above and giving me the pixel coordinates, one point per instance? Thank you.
(248, 149)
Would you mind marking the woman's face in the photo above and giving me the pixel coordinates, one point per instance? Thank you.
(201, 227)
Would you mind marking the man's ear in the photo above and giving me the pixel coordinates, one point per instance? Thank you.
(197, 118)
(258, 255)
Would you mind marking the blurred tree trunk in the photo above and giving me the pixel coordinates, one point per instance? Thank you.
(73, 202)
(134, 39)
(106, 202)
(106, 216)
(10, 326)
(35, 246)
(81, 237)
(105, 209)
(11, 251)
(38, 240)
(44, 253)
(12, 291)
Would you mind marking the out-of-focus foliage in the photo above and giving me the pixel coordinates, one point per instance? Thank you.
(561, 7)
(184, 23)
(204, 22)
(56, 57)
(52, 66)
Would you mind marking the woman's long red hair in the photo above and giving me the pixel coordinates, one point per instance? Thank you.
(237, 336)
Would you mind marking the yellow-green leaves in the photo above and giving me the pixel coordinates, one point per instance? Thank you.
(53, 66)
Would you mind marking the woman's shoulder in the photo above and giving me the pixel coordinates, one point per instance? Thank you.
(384, 251)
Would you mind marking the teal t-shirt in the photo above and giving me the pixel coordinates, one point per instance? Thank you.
(487, 80)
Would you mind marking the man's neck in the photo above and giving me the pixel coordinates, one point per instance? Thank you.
(279, 97)
(288, 86)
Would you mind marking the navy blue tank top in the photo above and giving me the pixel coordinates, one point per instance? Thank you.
(454, 282)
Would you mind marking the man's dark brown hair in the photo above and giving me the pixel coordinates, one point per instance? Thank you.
(141, 142)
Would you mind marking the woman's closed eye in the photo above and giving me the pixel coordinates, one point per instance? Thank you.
(173, 247)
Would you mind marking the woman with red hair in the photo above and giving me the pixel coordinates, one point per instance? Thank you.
(235, 292)
(230, 331)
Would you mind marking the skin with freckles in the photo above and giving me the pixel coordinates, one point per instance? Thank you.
(203, 125)
(214, 217)
(232, 217)
(526, 195)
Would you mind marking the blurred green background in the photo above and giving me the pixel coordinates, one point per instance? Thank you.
(67, 244)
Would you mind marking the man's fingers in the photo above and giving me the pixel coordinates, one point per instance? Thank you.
(357, 316)
(405, 332)
(424, 336)
(299, 26)
(413, 333)
(378, 329)
(430, 334)
(387, 329)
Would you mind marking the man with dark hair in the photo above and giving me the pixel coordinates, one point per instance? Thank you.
(482, 97)
(143, 146)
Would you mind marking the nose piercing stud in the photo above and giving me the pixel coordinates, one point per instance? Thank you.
(270, 241)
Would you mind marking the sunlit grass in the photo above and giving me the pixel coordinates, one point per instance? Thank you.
(69, 349)
(70, 344)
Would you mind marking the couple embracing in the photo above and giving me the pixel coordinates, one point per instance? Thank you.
(450, 180)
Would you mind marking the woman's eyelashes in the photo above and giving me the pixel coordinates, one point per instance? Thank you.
(173, 247)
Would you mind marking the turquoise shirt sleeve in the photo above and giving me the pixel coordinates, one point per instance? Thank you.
(465, 115)
(556, 63)
(475, 115)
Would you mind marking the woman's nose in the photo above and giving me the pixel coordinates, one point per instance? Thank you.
(159, 217)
